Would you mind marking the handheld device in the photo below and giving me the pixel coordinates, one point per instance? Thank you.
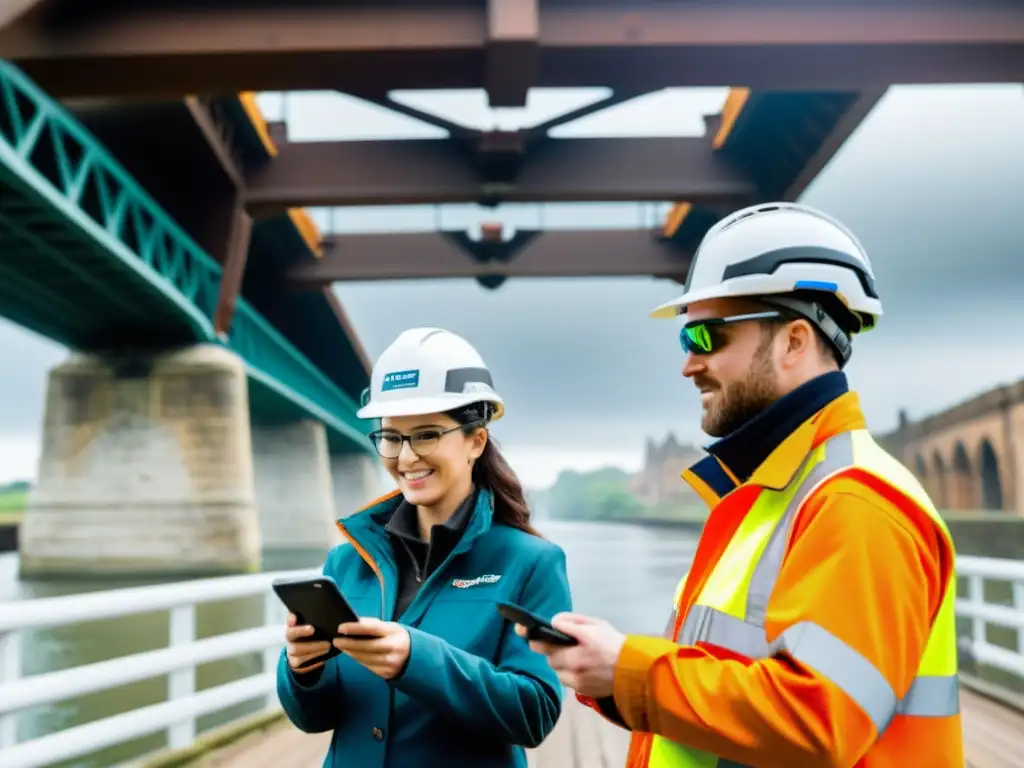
(316, 601)
(537, 628)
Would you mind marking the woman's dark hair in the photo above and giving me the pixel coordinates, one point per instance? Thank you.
(491, 471)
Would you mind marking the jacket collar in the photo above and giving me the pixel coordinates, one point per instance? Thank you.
(768, 450)
(405, 524)
(370, 524)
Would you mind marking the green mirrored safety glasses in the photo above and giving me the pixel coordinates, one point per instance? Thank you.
(702, 337)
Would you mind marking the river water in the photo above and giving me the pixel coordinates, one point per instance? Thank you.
(624, 573)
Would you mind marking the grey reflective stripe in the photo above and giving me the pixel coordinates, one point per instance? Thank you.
(671, 625)
(854, 675)
(931, 697)
(832, 658)
(707, 625)
(838, 456)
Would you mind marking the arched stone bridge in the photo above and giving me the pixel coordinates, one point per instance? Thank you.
(970, 456)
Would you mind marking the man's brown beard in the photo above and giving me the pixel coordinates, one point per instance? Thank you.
(741, 401)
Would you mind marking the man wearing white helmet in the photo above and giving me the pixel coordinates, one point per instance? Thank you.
(816, 624)
(440, 678)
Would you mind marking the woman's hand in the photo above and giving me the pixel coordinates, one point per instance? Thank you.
(299, 650)
(382, 646)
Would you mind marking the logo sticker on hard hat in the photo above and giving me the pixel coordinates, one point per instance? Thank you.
(400, 380)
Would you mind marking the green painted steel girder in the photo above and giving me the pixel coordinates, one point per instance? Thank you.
(90, 260)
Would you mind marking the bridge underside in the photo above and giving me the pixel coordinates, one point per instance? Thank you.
(762, 147)
(170, 448)
(210, 46)
(59, 279)
(93, 262)
(766, 144)
(197, 175)
(129, 253)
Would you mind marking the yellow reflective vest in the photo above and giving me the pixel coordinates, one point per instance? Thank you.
(730, 610)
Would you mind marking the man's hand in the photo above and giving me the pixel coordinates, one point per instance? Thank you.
(587, 668)
(382, 646)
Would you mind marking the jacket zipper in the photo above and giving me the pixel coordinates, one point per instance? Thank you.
(383, 613)
(416, 571)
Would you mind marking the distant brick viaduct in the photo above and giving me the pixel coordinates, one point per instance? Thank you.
(970, 456)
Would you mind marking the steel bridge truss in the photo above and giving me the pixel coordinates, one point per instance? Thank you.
(89, 259)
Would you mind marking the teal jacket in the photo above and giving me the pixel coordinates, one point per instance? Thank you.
(473, 694)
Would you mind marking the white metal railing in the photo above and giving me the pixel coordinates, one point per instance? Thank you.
(178, 714)
(975, 571)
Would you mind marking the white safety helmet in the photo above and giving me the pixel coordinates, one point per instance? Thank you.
(778, 249)
(428, 370)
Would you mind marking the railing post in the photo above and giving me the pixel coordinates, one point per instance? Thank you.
(1018, 605)
(10, 670)
(182, 682)
(976, 596)
(272, 615)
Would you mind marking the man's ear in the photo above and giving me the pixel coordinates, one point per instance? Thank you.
(800, 339)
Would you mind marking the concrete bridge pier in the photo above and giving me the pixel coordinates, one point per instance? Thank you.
(302, 489)
(358, 479)
(146, 468)
(294, 492)
(151, 466)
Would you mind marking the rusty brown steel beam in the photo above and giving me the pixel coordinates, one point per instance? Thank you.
(215, 133)
(420, 255)
(237, 254)
(12, 10)
(442, 171)
(513, 43)
(186, 48)
(822, 146)
(199, 131)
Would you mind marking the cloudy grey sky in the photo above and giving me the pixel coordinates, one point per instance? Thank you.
(932, 182)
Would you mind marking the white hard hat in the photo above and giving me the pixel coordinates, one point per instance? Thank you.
(778, 249)
(428, 370)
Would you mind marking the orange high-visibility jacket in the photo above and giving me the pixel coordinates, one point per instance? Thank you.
(847, 659)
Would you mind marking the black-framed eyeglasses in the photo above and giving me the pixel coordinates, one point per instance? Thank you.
(423, 441)
(703, 337)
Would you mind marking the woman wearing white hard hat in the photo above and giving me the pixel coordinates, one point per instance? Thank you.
(442, 678)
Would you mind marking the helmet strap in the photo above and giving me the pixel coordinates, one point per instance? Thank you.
(813, 312)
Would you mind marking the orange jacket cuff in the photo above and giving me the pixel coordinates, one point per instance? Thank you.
(632, 670)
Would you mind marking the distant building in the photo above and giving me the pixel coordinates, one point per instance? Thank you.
(659, 481)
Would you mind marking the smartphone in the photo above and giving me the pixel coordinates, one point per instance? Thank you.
(316, 601)
(536, 627)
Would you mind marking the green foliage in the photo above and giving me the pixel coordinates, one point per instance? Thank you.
(599, 495)
(13, 498)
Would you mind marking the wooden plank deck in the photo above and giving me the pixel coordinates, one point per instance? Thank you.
(993, 736)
